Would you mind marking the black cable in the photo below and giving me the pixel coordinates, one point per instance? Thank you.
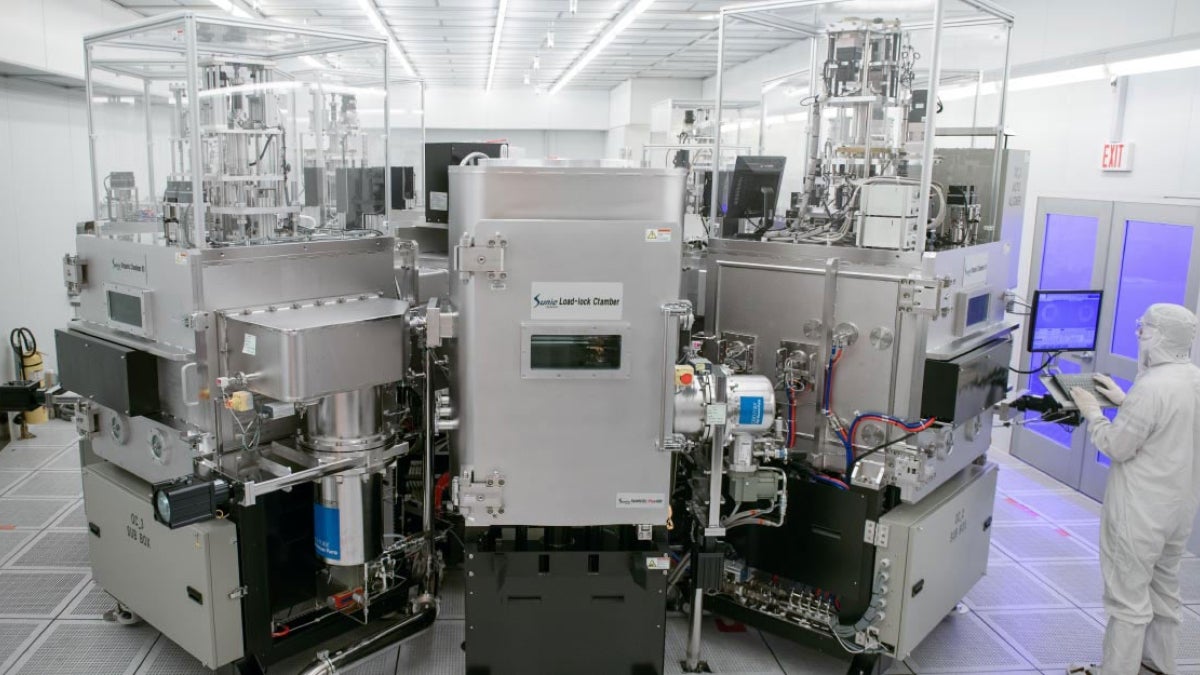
(1040, 368)
(264, 150)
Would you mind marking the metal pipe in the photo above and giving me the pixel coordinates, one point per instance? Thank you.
(199, 240)
(715, 211)
(692, 660)
(998, 146)
(149, 135)
(91, 127)
(327, 664)
(427, 470)
(827, 316)
(935, 71)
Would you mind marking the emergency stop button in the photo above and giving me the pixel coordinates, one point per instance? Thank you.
(684, 376)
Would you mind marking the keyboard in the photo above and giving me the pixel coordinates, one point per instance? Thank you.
(1086, 382)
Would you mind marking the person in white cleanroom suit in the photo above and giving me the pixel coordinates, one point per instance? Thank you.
(1153, 491)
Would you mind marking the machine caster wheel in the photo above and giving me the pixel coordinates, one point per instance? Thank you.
(122, 615)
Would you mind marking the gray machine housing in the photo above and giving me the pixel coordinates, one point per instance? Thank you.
(934, 552)
(185, 582)
(562, 251)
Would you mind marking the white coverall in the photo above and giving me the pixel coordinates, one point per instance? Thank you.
(1152, 495)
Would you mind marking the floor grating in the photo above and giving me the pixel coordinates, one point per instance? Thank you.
(87, 648)
(963, 643)
(1050, 638)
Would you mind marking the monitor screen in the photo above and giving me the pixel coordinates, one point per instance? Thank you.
(1064, 321)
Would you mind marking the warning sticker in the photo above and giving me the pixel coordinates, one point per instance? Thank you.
(659, 563)
(657, 234)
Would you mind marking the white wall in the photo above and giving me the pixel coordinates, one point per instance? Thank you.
(48, 34)
(533, 143)
(463, 108)
(629, 111)
(44, 190)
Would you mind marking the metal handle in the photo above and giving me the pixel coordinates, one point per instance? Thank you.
(673, 313)
(183, 383)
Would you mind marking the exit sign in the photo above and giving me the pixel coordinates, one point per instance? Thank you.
(1117, 157)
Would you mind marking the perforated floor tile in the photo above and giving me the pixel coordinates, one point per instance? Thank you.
(1023, 479)
(37, 595)
(731, 652)
(798, 660)
(962, 643)
(12, 540)
(1080, 581)
(49, 484)
(168, 658)
(1050, 638)
(25, 457)
(1010, 511)
(53, 434)
(15, 636)
(92, 603)
(1062, 507)
(1040, 542)
(35, 513)
(1010, 586)
(10, 478)
(67, 460)
(87, 648)
(437, 651)
(452, 597)
(997, 555)
(55, 549)
(73, 518)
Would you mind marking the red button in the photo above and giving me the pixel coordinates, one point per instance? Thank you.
(685, 378)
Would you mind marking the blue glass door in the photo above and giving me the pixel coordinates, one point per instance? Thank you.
(1070, 245)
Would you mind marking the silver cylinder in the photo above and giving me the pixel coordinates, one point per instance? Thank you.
(349, 421)
(348, 517)
(750, 405)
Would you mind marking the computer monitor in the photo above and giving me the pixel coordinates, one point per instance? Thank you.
(753, 191)
(1064, 321)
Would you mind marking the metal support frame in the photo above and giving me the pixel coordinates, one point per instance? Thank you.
(752, 12)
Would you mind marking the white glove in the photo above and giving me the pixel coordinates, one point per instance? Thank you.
(1089, 407)
(1111, 390)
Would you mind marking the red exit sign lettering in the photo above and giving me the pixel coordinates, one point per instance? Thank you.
(1117, 157)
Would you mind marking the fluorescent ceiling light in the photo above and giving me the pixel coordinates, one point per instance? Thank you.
(376, 19)
(632, 10)
(228, 6)
(1057, 78)
(1156, 64)
(312, 62)
(496, 43)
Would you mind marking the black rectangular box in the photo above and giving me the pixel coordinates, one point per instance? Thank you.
(110, 374)
(439, 157)
(965, 386)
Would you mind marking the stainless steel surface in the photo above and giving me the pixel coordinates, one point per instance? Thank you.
(151, 449)
(351, 495)
(345, 421)
(560, 230)
(149, 567)
(301, 354)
